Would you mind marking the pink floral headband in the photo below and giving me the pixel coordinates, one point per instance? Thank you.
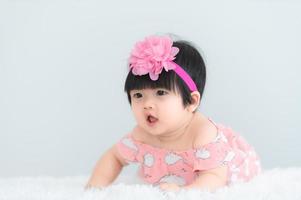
(153, 54)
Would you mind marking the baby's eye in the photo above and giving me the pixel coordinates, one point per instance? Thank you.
(161, 92)
(137, 95)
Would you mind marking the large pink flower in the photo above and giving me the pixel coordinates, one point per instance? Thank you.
(151, 55)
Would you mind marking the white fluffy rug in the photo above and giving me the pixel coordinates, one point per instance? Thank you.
(272, 184)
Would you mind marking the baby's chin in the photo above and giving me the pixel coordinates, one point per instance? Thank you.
(158, 133)
(152, 131)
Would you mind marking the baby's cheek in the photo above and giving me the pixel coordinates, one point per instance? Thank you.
(174, 111)
(172, 117)
(138, 116)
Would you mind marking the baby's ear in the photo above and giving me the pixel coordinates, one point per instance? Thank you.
(196, 97)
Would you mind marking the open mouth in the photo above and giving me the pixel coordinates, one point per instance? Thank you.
(151, 119)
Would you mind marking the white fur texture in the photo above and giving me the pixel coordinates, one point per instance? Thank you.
(272, 184)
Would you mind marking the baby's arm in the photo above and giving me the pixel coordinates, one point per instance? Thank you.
(210, 179)
(107, 169)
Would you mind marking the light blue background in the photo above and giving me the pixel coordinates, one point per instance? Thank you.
(63, 65)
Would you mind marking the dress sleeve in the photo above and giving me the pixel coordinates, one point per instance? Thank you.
(128, 149)
(212, 155)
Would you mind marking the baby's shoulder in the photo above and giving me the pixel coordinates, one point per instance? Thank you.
(205, 134)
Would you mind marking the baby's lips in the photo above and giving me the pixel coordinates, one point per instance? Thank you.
(149, 114)
(151, 118)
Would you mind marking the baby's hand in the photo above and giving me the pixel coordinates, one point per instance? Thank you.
(170, 187)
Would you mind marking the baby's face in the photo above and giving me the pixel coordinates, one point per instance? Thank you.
(158, 111)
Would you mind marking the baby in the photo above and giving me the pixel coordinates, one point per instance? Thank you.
(175, 145)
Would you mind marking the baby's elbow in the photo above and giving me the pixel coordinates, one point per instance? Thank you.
(212, 179)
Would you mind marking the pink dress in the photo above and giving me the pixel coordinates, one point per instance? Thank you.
(159, 165)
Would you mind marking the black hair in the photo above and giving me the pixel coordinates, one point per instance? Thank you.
(189, 59)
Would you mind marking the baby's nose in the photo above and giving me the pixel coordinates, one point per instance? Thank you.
(148, 107)
(148, 104)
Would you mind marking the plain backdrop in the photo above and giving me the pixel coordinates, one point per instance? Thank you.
(63, 66)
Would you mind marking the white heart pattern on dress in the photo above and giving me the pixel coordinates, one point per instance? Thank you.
(202, 153)
(230, 155)
(148, 160)
(172, 158)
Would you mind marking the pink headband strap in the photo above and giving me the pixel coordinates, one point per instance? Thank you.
(184, 76)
